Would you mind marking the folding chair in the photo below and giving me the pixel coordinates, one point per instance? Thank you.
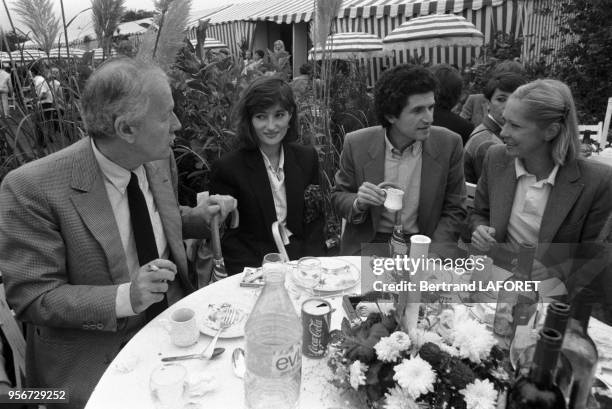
(12, 332)
(592, 131)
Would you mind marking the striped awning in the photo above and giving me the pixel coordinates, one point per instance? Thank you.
(346, 45)
(246, 11)
(297, 11)
(434, 30)
(63, 53)
(210, 43)
(28, 55)
(393, 8)
(98, 53)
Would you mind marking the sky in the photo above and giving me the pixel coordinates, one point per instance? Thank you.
(82, 24)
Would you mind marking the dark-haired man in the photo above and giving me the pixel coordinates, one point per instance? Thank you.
(497, 91)
(406, 150)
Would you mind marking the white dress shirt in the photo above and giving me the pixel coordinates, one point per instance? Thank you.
(279, 193)
(403, 168)
(116, 180)
(530, 199)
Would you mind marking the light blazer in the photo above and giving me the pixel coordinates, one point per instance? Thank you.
(243, 175)
(576, 212)
(62, 261)
(442, 207)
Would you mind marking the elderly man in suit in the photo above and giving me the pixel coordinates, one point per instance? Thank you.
(91, 236)
(425, 161)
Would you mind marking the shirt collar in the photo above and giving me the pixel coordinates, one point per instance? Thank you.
(281, 161)
(118, 176)
(415, 149)
(521, 171)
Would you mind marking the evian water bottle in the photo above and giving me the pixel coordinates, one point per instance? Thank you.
(273, 346)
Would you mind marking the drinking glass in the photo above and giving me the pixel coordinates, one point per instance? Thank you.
(308, 274)
(167, 384)
(273, 258)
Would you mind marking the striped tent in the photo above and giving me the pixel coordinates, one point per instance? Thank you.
(98, 53)
(63, 53)
(28, 55)
(348, 45)
(437, 30)
(210, 43)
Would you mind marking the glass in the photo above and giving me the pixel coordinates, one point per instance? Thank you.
(167, 384)
(273, 258)
(308, 274)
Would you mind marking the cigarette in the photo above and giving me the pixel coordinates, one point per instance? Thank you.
(153, 267)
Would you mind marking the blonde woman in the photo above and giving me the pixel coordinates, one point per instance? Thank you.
(535, 188)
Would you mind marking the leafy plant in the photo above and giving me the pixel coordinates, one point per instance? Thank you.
(204, 90)
(584, 62)
(38, 16)
(106, 17)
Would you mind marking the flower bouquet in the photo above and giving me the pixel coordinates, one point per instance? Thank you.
(448, 361)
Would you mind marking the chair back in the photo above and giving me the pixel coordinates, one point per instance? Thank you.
(606, 125)
(12, 332)
(592, 131)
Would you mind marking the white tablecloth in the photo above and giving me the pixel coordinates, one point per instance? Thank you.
(130, 390)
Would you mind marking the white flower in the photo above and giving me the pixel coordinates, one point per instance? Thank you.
(420, 337)
(415, 375)
(388, 349)
(451, 350)
(357, 374)
(480, 394)
(398, 398)
(473, 340)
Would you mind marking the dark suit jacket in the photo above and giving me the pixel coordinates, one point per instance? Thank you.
(243, 175)
(577, 208)
(442, 206)
(475, 108)
(62, 261)
(449, 120)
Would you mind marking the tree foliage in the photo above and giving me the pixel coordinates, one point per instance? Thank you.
(106, 15)
(12, 39)
(133, 15)
(40, 19)
(585, 63)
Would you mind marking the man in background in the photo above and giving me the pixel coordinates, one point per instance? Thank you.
(6, 89)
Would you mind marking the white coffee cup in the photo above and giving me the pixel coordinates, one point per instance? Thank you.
(167, 384)
(394, 199)
(182, 327)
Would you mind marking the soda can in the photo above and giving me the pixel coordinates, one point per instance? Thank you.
(316, 318)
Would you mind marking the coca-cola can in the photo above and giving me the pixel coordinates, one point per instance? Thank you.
(316, 318)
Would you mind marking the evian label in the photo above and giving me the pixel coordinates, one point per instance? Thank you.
(287, 360)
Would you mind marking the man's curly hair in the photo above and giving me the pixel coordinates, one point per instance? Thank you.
(396, 85)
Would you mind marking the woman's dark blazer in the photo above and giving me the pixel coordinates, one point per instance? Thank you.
(243, 175)
(577, 209)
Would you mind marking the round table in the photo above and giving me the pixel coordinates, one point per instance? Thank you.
(125, 384)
